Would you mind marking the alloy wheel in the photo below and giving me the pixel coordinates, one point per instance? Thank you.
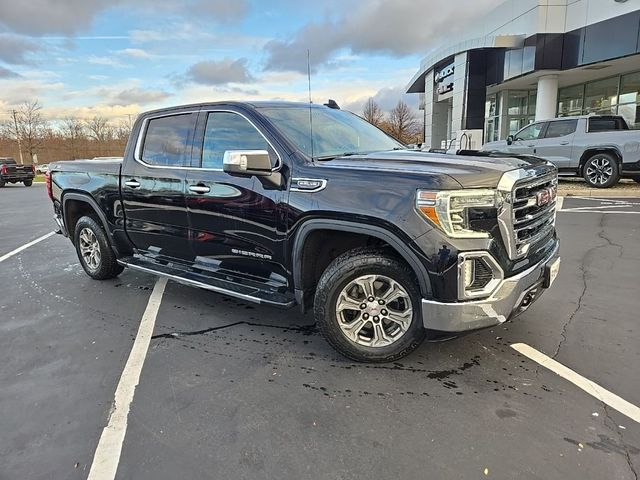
(374, 310)
(599, 170)
(90, 248)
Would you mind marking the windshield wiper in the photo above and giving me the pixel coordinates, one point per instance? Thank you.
(345, 154)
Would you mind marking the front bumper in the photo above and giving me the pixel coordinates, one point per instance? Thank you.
(512, 297)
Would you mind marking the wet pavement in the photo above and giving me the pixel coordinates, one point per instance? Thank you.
(235, 390)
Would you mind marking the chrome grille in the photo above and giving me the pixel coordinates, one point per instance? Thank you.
(529, 212)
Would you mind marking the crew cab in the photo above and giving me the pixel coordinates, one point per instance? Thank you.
(289, 204)
(12, 172)
(599, 148)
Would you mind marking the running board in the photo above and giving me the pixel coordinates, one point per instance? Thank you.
(266, 296)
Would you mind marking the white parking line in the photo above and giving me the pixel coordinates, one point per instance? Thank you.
(602, 394)
(107, 455)
(25, 246)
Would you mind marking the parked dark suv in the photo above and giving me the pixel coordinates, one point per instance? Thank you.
(291, 204)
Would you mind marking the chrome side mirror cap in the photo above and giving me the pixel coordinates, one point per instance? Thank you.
(247, 163)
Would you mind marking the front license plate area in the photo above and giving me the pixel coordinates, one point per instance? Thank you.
(551, 272)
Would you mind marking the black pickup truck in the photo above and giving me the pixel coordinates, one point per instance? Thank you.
(11, 172)
(291, 204)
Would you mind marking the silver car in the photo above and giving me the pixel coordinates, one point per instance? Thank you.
(599, 148)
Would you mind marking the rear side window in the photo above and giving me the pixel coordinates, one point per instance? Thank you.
(561, 128)
(607, 124)
(228, 131)
(167, 141)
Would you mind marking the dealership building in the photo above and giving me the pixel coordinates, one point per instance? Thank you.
(531, 60)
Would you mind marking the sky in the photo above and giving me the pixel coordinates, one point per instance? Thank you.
(116, 58)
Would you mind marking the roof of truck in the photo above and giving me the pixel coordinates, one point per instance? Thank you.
(234, 103)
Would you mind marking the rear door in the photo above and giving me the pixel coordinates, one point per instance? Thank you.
(526, 140)
(235, 221)
(557, 142)
(153, 186)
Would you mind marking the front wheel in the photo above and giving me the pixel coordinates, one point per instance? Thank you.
(367, 306)
(601, 171)
(94, 252)
(28, 183)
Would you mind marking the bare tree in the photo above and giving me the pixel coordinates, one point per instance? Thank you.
(373, 113)
(99, 129)
(402, 122)
(123, 129)
(73, 130)
(28, 127)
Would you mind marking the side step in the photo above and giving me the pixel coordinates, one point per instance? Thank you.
(265, 295)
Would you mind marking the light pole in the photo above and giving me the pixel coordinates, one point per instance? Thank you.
(15, 121)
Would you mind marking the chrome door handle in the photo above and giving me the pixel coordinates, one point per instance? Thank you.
(199, 189)
(132, 183)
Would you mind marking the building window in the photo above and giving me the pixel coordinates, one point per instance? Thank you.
(570, 101)
(492, 118)
(602, 96)
(629, 100)
(521, 109)
(610, 96)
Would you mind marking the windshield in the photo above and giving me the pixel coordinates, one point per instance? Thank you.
(8, 161)
(335, 132)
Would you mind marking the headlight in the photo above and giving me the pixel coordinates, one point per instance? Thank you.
(449, 209)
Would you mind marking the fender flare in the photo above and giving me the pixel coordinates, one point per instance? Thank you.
(86, 198)
(365, 229)
(592, 150)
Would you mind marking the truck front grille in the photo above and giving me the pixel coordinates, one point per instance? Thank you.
(528, 214)
(534, 210)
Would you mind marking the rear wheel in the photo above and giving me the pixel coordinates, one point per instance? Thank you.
(601, 171)
(28, 183)
(94, 252)
(367, 306)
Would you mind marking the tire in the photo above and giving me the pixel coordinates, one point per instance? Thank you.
(601, 171)
(94, 252)
(28, 183)
(2, 184)
(377, 270)
(636, 179)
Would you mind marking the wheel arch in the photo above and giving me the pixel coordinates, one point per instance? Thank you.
(89, 205)
(382, 234)
(591, 151)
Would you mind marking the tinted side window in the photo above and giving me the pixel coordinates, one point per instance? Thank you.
(228, 131)
(561, 128)
(606, 124)
(167, 141)
(532, 132)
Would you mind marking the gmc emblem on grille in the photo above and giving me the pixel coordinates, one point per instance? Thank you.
(545, 196)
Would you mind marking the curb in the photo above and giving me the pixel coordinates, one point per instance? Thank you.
(599, 193)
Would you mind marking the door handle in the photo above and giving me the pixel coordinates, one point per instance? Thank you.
(132, 183)
(530, 146)
(564, 143)
(200, 189)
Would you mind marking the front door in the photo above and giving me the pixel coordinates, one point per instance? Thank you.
(557, 144)
(153, 187)
(526, 140)
(234, 220)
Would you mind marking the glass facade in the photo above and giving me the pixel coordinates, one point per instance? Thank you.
(611, 96)
(521, 109)
(492, 118)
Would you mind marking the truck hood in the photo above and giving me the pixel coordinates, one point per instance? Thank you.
(481, 171)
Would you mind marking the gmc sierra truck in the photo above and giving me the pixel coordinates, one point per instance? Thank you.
(11, 172)
(599, 148)
(291, 204)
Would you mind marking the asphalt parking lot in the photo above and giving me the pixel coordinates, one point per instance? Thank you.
(233, 390)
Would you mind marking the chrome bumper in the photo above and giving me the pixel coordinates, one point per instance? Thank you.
(512, 297)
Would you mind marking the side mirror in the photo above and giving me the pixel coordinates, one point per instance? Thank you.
(509, 139)
(247, 163)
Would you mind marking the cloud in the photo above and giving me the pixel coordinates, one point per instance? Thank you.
(106, 61)
(135, 53)
(220, 72)
(390, 27)
(37, 17)
(14, 48)
(386, 98)
(6, 73)
(138, 96)
(40, 17)
(222, 10)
